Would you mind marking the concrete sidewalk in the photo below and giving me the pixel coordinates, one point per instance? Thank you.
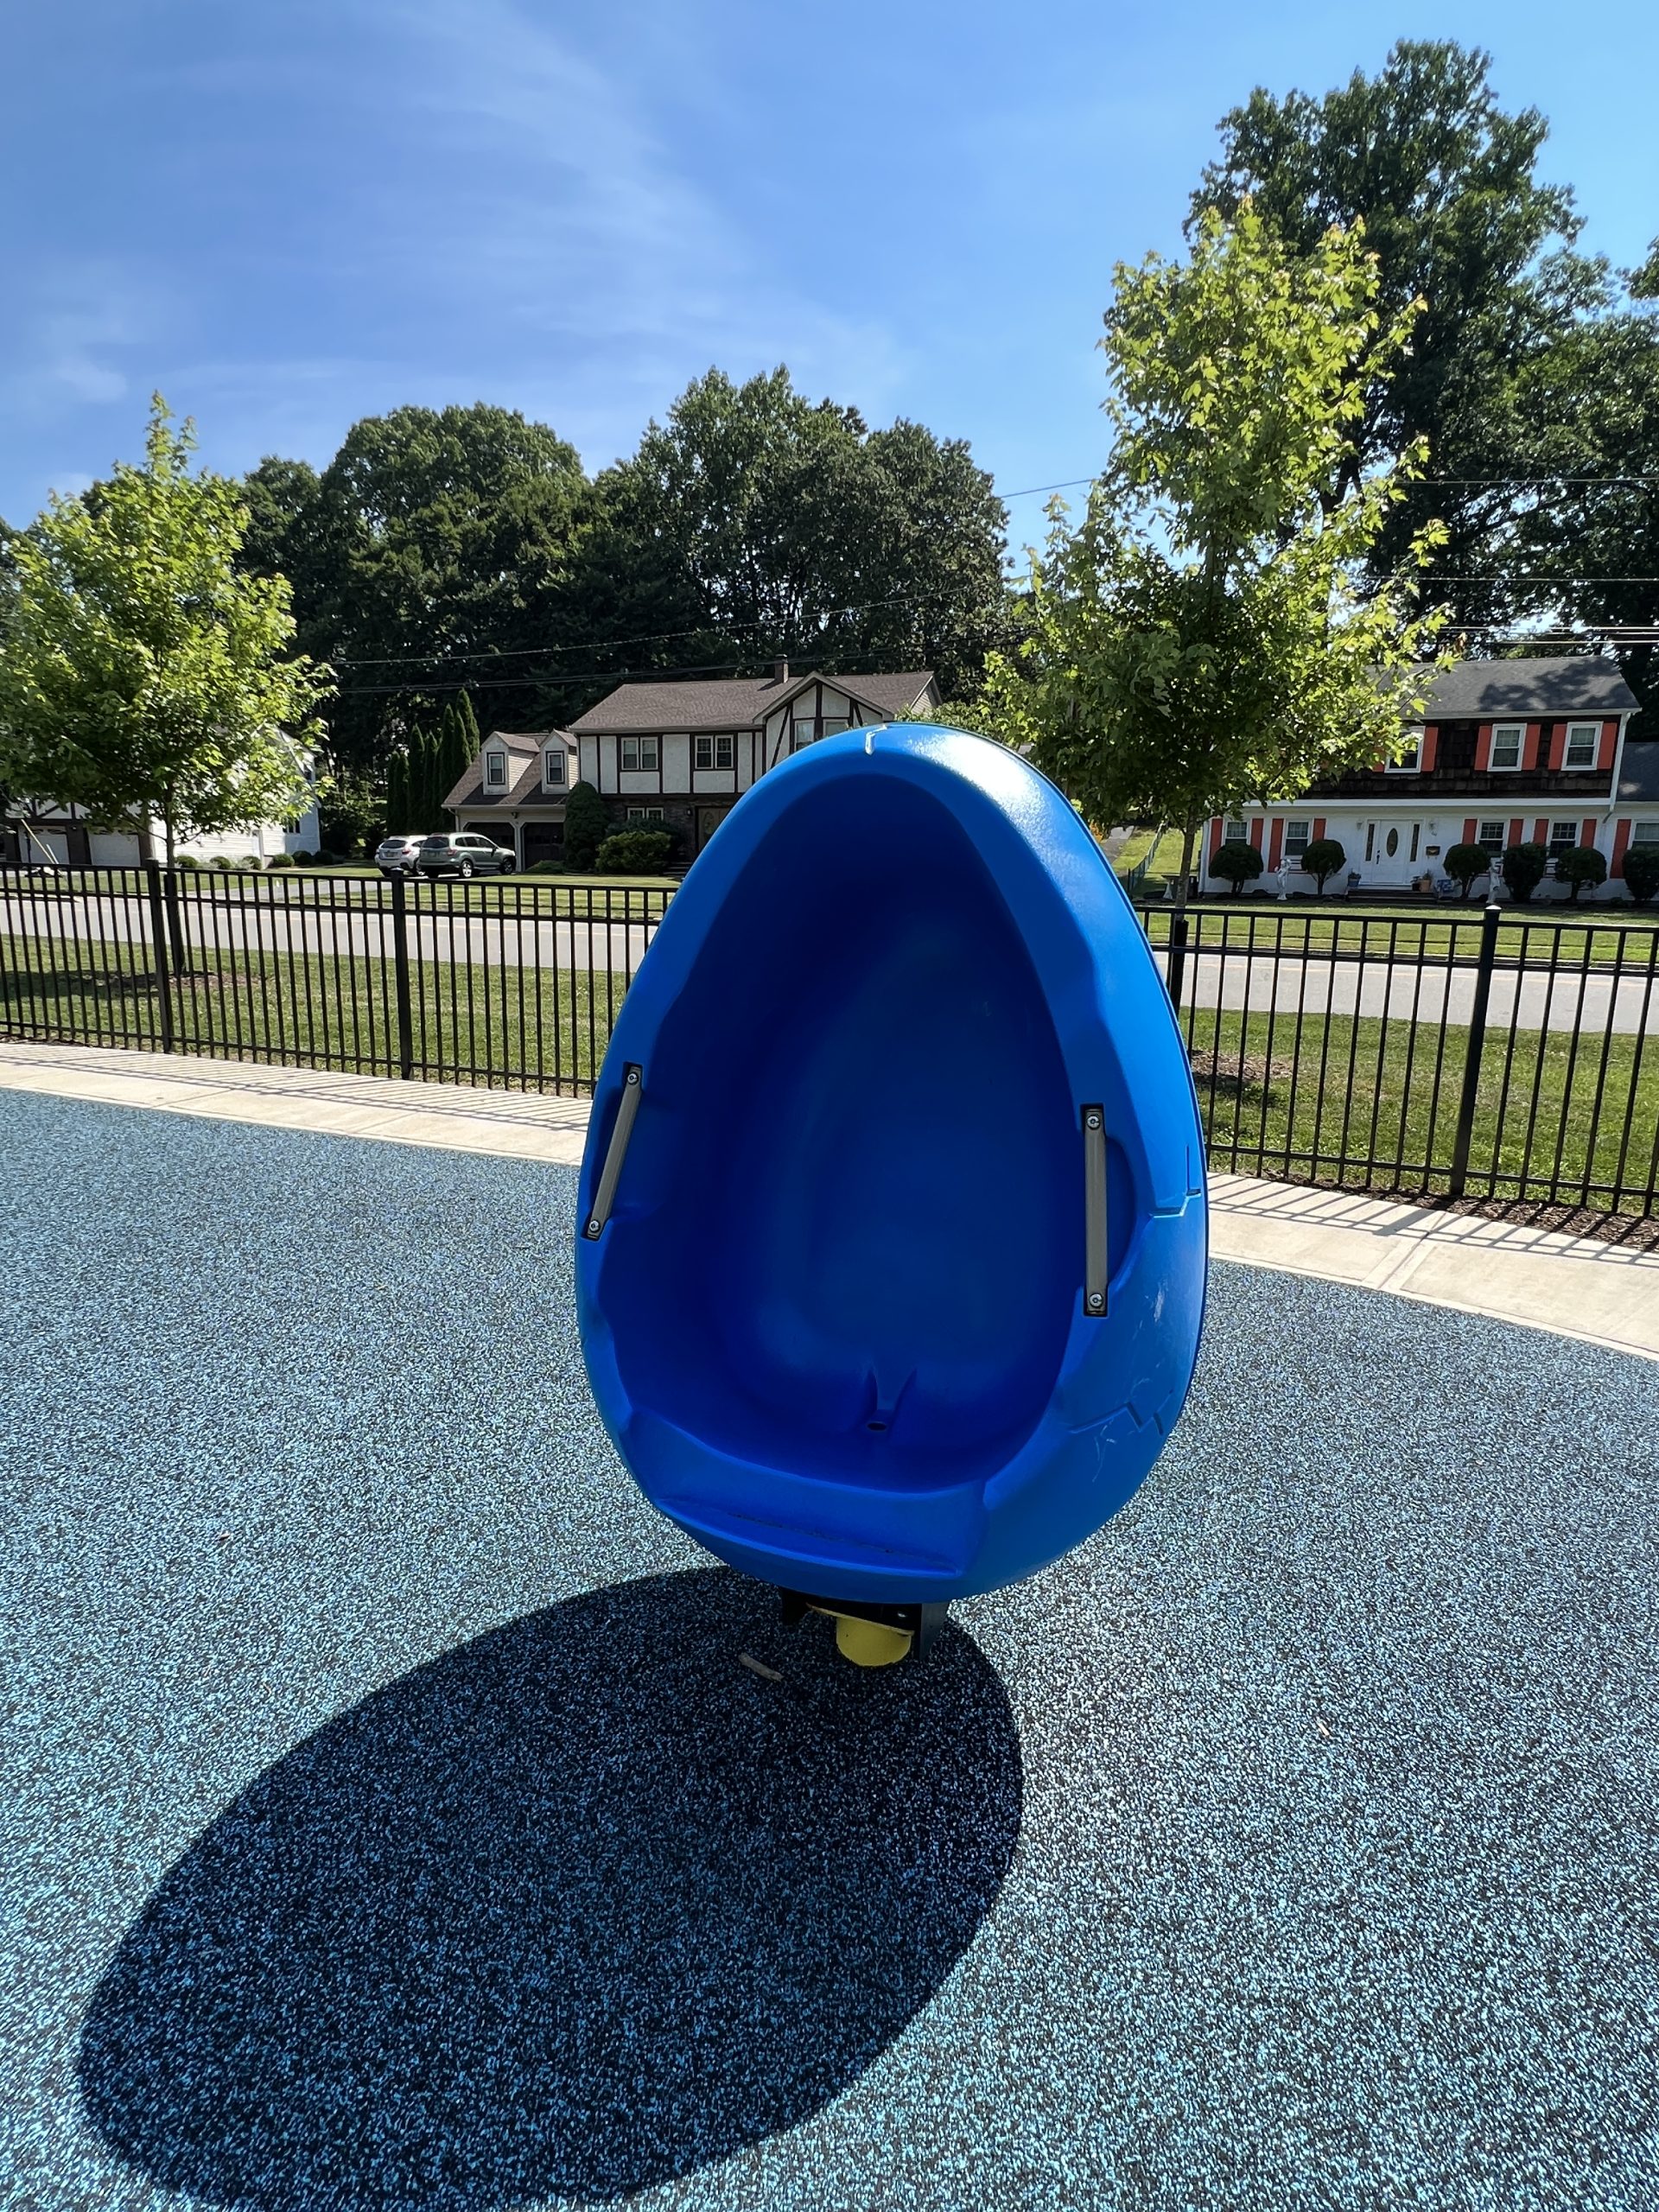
(1575, 1287)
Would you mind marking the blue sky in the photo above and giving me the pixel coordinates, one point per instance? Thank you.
(288, 216)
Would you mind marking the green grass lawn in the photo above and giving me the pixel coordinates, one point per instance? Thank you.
(1316, 1100)
(515, 1028)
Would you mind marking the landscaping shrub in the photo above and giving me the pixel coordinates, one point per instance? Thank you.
(544, 867)
(1642, 872)
(1583, 865)
(224, 863)
(587, 826)
(281, 859)
(186, 860)
(1236, 863)
(631, 852)
(1322, 860)
(1465, 863)
(305, 859)
(1523, 870)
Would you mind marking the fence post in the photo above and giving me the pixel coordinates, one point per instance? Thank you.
(400, 970)
(158, 951)
(1176, 965)
(1488, 922)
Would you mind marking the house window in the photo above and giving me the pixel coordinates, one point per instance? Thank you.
(640, 753)
(1645, 833)
(714, 751)
(1582, 742)
(1491, 839)
(1236, 832)
(832, 729)
(1296, 837)
(1563, 836)
(804, 732)
(1410, 757)
(1507, 738)
(644, 814)
(553, 766)
(1371, 841)
(495, 772)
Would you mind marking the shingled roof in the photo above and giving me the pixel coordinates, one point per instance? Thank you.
(739, 701)
(524, 785)
(1536, 690)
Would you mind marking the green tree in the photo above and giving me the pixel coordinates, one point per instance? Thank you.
(434, 541)
(756, 523)
(1324, 856)
(1466, 864)
(1196, 641)
(586, 825)
(1445, 184)
(1583, 865)
(397, 810)
(1523, 870)
(1642, 872)
(140, 673)
(1237, 862)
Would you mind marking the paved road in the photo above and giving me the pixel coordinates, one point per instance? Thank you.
(350, 930)
(388, 1821)
(1234, 980)
(1419, 991)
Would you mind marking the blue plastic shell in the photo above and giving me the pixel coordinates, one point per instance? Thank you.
(835, 1321)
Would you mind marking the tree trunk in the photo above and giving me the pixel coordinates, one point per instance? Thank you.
(179, 942)
(1175, 976)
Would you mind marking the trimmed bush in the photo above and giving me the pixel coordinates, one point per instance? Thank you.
(1523, 870)
(186, 860)
(224, 863)
(587, 826)
(305, 859)
(1642, 872)
(545, 868)
(281, 859)
(1466, 864)
(1236, 863)
(1583, 865)
(631, 852)
(1322, 860)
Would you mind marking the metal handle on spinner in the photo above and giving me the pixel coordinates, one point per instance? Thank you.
(1094, 1203)
(616, 1151)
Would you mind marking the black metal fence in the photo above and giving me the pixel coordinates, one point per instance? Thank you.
(1481, 1056)
(512, 984)
(1473, 1054)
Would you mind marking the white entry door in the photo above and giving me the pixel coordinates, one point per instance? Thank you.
(1393, 852)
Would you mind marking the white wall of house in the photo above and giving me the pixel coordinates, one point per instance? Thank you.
(1420, 840)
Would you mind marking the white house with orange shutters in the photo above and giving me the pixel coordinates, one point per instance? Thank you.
(1509, 753)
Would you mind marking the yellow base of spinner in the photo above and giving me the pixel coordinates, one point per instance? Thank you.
(867, 1644)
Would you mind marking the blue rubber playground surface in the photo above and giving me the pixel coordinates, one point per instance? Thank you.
(387, 1820)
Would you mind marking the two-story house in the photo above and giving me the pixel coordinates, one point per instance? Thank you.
(1509, 753)
(677, 754)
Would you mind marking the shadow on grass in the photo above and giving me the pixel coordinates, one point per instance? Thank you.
(579, 1907)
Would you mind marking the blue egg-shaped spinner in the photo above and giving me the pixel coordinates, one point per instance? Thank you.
(892, 1248)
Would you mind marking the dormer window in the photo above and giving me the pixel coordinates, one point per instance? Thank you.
(553, 768)
(1582, 740)
(495, 770)
(1408, 759)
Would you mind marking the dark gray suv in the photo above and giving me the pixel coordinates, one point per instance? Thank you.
(464, 853)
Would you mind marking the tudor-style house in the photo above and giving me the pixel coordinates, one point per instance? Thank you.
(677, 754)
(1509, 753)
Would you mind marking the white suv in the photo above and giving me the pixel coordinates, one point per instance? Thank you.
(397, 855)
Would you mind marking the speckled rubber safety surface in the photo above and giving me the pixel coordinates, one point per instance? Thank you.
(389, 1820)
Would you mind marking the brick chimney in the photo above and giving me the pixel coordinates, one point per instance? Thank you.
(781, 672)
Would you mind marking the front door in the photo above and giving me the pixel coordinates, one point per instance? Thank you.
(709, 820)
(1393, 853)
